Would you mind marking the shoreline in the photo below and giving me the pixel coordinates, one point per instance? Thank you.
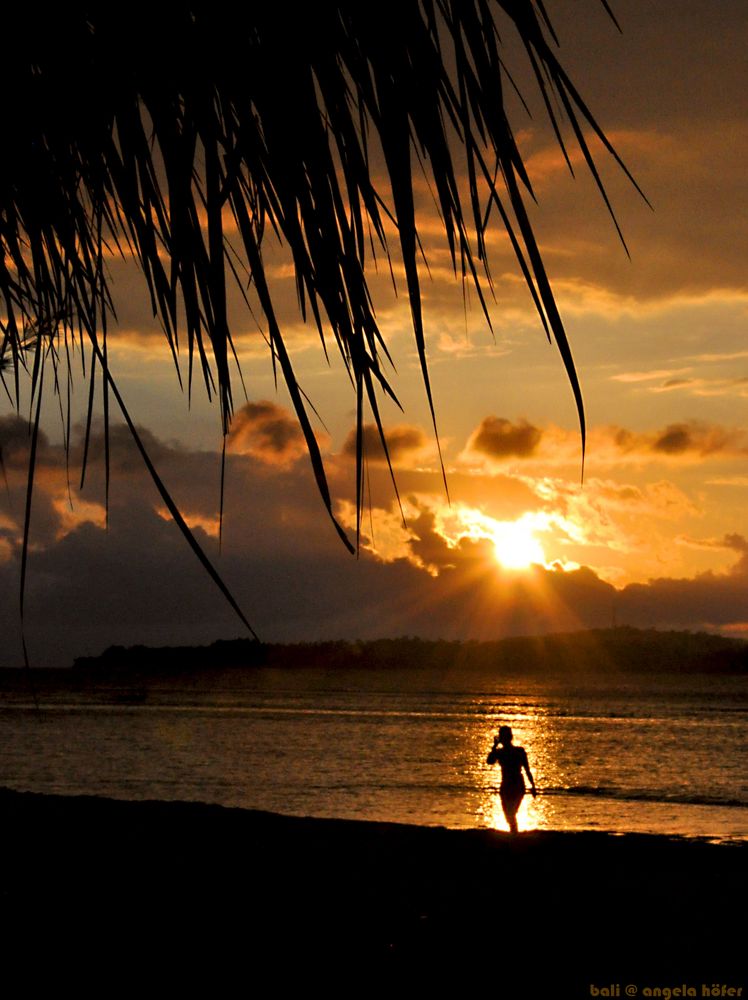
(233, 888)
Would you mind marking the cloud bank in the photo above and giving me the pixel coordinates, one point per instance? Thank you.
(89, 587)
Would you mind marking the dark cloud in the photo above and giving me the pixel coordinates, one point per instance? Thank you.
(703, 439)
(708, 601)
(15, 436)
(736, 542)
(500, 438)
(138, 582)
(674, 441)
(687, 439)
(402, 442)
(268, 432)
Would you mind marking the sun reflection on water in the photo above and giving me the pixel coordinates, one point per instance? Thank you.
(534, 813)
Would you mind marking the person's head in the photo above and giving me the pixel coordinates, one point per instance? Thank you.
(505, 735)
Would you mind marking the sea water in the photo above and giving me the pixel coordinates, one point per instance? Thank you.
(661, 754)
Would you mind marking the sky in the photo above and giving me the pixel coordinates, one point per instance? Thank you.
(652, 535)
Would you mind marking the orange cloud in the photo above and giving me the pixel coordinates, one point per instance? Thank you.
(404, 442)
(446, 574)
(497, 441)
(706, 386)
(268, 432)
(499, 438)
(684, 380)
(690, 438)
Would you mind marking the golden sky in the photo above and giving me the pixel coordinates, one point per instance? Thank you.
(653, 535)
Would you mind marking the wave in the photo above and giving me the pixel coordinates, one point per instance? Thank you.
(459, 788)
(647, 795)
(514, 714)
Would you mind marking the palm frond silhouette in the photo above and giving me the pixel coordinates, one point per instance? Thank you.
(151, 136)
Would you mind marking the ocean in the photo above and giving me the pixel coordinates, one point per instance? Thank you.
(663, 754)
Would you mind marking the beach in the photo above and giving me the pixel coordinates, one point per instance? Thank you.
(268, 830)
(170, 892)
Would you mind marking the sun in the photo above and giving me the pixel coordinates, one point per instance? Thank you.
(516, 545)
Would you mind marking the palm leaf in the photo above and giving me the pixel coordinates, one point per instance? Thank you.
(125, 133)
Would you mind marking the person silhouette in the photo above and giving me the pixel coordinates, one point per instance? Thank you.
(512, 760)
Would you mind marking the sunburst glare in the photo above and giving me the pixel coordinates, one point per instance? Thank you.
(515, 543)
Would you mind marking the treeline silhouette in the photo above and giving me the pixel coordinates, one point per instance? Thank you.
(623, 649)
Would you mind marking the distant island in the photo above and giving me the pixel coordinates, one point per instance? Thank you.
(601, 651)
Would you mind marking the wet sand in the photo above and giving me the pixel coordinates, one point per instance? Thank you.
(102, 894)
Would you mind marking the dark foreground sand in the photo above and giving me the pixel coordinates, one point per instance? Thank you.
(105, 895)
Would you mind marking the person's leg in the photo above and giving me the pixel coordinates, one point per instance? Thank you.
(510, 804)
